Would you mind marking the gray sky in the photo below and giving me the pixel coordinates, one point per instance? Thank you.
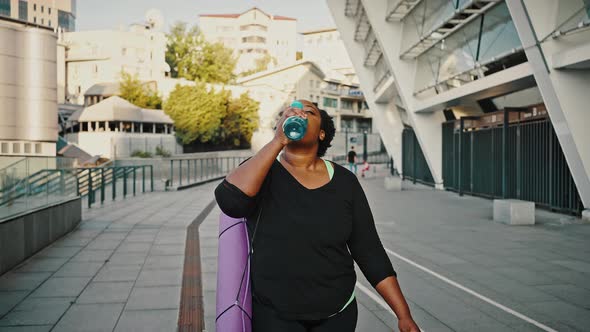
(110, 14)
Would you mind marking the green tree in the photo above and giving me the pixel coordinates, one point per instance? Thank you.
(261, 64)
(192, 57)
(135, 92)
(201, 114)
(241, 120)
(197, 112)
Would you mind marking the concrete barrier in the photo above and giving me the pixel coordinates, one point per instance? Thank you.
(514, 212)
(393, 183)
(25, 234)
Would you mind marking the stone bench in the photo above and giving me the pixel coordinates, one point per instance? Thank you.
(514, 212)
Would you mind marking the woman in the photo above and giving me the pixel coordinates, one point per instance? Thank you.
(308, 219)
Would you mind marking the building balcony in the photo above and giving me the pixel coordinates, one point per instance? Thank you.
(381, 74)
(331, 91)
(373, 50)
(398, 9)
(352, 8)
(453, 20)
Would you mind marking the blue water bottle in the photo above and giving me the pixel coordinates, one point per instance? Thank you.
(295, 127)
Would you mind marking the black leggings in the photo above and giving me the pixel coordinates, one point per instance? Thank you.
(265, 320)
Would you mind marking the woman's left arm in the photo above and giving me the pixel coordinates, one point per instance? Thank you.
(368, 252)
(389, 289)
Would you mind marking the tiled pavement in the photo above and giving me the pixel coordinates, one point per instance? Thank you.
(122, 269)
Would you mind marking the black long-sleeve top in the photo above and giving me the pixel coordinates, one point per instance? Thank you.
(302, 264)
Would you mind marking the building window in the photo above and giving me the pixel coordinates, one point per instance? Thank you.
(96, 69)
(49, 10)
(23, 10)
(38, 149)
(4, 147)
(311, 84)
(253, 27)
(253, 39)
(34, 20)
(330, 102)
(42, 21)
(49, 22)
(15, 147)
(35, 7)
(27, 147)
(124, 51)
(346, 104)
(5, 8)
(66, 20)
(42, 9)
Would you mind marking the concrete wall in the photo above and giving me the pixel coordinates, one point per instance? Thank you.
(24, 235)
(114, 145)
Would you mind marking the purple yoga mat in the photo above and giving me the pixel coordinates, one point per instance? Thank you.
(234, 298)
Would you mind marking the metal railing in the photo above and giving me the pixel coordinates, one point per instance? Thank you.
(414, 165)
(372, 158)
(112, 181)
(188, 172)
(35, 182)
(510, 154)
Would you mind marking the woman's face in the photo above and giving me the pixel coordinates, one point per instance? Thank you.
(314, 121)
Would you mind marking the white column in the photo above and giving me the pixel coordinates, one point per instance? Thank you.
(153, 128)
(565, 92)
(427, 126)
(385, 115)
(132, 127)
(107, 126)
(141, 127)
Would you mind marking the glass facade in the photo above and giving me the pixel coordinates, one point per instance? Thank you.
(464, 55)
(66, 20)
(574, 20)
(23, 10)
(5, 8)
(426, 16)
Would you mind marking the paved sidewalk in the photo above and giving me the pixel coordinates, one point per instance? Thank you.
(539, 271)
(121, 270)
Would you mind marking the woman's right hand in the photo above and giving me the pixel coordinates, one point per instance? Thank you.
(289, 111)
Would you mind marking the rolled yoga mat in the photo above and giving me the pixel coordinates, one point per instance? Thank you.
(234, 298)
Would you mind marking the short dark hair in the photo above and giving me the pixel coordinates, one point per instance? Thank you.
(327, 125)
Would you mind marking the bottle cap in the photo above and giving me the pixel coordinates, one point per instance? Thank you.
(297, 104)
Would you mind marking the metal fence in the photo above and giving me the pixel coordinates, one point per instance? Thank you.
(414, 165)
(510, 154)
(98, 183)
(372, 158)
(190, 171)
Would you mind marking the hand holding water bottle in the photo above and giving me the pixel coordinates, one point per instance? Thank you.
(292, 125)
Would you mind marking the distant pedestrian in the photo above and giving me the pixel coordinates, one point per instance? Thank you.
(365, 168)
(309, 221)
(352, 160)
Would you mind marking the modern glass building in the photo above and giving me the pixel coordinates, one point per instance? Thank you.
(52, 14)
(486, 97)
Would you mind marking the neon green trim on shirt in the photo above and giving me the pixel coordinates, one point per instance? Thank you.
(330, 168)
